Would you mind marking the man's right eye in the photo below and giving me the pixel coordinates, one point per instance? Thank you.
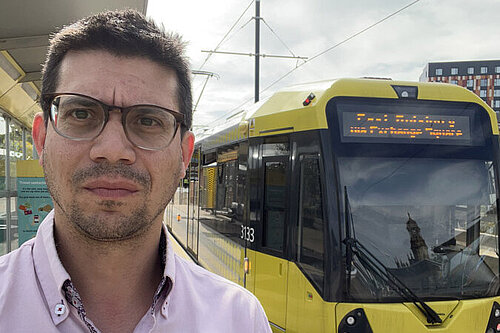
(81, 114)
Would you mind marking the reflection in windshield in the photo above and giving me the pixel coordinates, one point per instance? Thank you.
(432, 222)
(417, 243)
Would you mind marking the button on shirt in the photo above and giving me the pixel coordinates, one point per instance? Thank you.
(36, 295)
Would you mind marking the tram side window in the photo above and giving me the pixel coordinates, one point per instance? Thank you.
(208, 183)
(274, 205)
(226, 186)
(311, 222)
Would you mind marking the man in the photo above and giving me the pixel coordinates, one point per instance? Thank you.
(114, 143)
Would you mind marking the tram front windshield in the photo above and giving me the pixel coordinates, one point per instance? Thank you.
(426, 211)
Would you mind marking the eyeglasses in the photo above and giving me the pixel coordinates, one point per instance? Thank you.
(81, 118)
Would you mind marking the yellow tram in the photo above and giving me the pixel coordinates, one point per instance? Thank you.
(355, 205)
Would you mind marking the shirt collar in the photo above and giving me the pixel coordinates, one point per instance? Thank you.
(52, 275)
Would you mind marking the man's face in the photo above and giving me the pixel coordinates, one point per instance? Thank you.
(107, 188)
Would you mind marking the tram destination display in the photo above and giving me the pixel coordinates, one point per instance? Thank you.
(429, 127)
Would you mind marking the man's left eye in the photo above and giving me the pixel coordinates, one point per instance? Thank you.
(146, 121)
(81, 114)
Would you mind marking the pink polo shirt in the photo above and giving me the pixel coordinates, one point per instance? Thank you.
(36, 292)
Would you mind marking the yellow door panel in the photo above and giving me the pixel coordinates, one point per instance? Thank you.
(271, 286)
(306, 310)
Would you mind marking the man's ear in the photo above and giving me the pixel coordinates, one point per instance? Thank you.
(38, 133)
(187, 147)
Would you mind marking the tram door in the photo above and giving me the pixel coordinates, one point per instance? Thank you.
(270, 263)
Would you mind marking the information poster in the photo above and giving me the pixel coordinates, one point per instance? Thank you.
(33, 202)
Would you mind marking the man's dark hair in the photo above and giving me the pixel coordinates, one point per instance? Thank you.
(122, 33)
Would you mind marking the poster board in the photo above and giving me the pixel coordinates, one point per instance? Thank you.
(33, 198)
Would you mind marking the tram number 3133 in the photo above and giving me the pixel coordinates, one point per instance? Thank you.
(247, 233)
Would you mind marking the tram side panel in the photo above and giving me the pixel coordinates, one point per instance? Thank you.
(221, 247)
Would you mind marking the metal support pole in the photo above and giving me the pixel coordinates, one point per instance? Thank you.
(257, 48)
(24, 143)
(7, 184)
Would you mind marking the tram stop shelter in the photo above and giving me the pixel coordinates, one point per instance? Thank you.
(25, 27)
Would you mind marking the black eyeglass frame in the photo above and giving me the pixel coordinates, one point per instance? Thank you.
(49, 99)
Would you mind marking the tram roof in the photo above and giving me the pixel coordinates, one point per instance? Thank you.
(285, 112)
(25, 26)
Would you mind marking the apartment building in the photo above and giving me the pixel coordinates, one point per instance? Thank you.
(481, 77)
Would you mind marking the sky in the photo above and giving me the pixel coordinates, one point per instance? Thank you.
(398, 48)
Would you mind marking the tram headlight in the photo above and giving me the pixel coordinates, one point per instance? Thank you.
(355, 321)
(351, 320)
(494, 321)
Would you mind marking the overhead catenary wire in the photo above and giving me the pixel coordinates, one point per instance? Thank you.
(342, 42)
(227, 34)
(236, 32)
(218, 45)
(275, 34)
(318, 55)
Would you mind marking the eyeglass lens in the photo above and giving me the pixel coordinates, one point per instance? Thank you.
(83, 118)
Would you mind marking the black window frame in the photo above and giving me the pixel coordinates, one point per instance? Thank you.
(256, 181)
(299, 240)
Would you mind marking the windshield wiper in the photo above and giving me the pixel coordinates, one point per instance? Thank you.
(370, 262)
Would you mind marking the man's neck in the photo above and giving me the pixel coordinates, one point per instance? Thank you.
(116, 280)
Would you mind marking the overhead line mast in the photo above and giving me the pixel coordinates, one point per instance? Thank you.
(257, 49)
(257, 54)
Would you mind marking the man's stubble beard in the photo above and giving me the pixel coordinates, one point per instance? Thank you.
(101, 228)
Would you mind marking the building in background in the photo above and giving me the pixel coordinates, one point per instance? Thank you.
(481, 77)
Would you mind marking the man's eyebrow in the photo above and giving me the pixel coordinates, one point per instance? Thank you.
(79, 100)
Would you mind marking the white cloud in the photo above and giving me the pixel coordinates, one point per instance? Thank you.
(400, 47)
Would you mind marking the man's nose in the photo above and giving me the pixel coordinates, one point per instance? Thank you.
(112, 145)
